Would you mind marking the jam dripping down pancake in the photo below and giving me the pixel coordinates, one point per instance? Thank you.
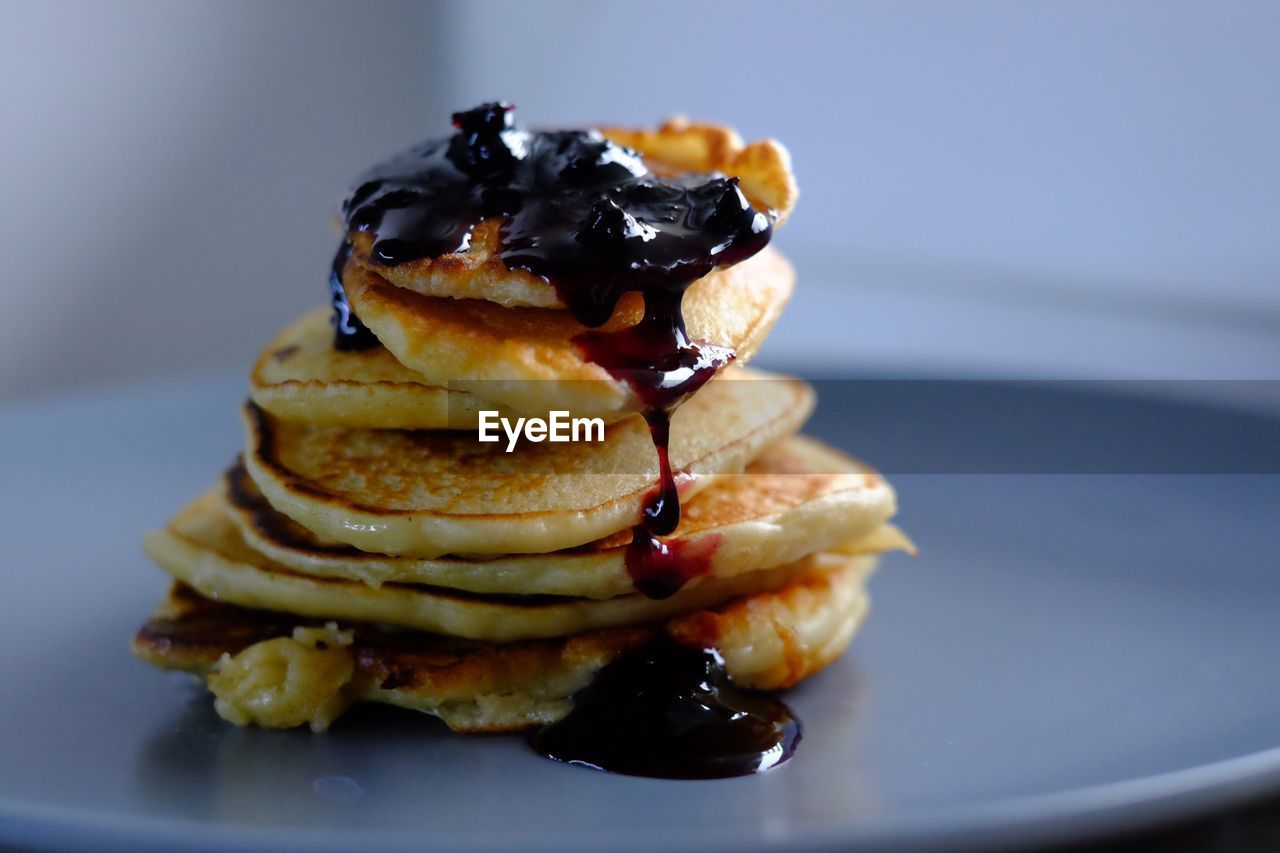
(589, 217)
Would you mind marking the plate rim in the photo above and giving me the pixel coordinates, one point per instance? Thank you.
(1068, 816)
(1065, 816)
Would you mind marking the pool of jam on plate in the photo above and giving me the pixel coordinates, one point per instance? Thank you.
(589, 217)
(669, 710)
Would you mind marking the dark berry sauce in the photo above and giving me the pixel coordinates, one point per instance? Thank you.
(659, 569)
(581, 212)
(349, 334)
(669, 711)
(590, 218)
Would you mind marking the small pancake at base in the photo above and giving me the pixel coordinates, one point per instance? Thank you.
(769, 641)
(301, 376)
(527, 358)
(798, 497)
(202, 547)
(428, 493)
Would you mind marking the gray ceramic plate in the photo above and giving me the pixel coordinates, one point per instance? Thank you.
(1089, 641)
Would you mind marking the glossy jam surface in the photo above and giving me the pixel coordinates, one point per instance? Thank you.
(659, 569)
(668, 710)
(583, 213)
(589, 217)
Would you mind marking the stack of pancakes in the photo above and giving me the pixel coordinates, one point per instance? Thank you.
(366, 545)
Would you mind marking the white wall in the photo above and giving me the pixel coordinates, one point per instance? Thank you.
(1064, 187)
(170, 170)
(1046, 188)
(1111, 141)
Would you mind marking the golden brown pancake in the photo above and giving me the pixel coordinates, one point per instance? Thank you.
(302, 376)
(369, 548)
(763, 169)
(800, 496)
(527, 359)
(202, 548)
(769, 641)
(424, 494)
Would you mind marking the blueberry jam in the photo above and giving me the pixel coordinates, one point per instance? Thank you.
(349, 334)
(589, 217)
(668, 710)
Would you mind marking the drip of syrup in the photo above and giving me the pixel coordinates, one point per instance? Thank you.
(349, 334)
(660, 569)
(663, 366)
(670, 711)
(590, 218)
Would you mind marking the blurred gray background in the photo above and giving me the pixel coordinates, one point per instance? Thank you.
(1060, 189)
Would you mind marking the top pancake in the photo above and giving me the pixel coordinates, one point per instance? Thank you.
(425, 494)
(527, 359)
(763, 169)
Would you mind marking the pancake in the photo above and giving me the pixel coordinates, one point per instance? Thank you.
(527, 359)
(800, 496)
(424, 494)
(769, 641)
(369, 547)
(302, 376)
(202, 548)
(763, 169)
